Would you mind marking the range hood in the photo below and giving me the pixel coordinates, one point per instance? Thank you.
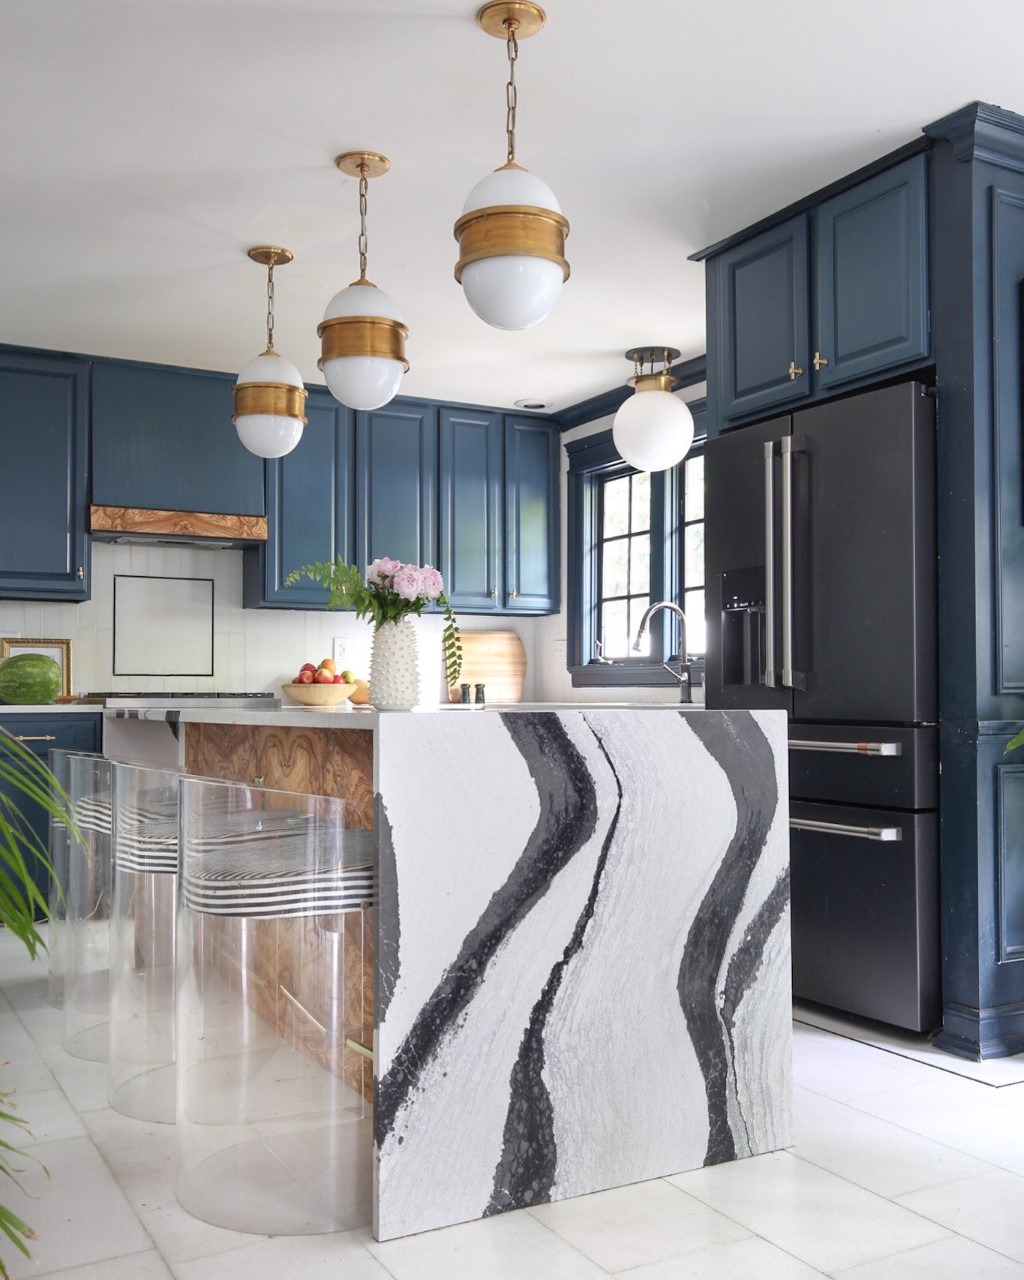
(205, 528)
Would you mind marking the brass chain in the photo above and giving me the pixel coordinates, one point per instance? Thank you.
(270, 305)
(511, 27)
(362, 221)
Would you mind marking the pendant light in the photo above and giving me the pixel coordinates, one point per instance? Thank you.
(269, 395)
(653, 429)
(362, 335)
(512, 233)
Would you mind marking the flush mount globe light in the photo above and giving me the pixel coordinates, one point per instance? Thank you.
(269, 395)
(362, 335)
(653, 429)
(512, 233)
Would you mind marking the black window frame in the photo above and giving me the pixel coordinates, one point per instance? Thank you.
(592, 461)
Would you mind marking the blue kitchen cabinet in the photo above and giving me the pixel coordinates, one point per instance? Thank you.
(310, 509)
(759, 332)
(44, 442)
(871, 276)
(162, 439)
(471, 509)
(40, 733)
(396, 483)
(532, 541)
(832, 296)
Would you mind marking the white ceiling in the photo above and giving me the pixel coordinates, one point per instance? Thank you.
(146, 144)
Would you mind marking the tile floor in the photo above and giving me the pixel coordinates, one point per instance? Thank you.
(899, 1170)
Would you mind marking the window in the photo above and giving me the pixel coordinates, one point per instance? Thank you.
(634, 538)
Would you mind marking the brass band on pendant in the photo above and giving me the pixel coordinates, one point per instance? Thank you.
(362, 336)
(507, 230)
(653, 382)
(279, 398)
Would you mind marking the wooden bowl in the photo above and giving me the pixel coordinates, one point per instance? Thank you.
(318, 695)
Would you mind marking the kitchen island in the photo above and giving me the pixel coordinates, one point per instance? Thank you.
(581, 972)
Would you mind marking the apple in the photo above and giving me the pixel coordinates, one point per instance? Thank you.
(308, 666)
(339, 679)
(304, 677)
(323, 676)
(348, 677)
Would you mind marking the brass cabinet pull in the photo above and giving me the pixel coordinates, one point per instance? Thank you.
(494, 593)
(512, 594)
(81, 573)
(35, 737)
(794, 372)
(819, 361)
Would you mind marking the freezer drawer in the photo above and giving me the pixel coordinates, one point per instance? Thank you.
(865, 764)
(865, 912)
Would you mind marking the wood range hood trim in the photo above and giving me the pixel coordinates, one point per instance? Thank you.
(129, 524)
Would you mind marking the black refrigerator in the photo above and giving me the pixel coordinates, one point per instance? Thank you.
(821, 580)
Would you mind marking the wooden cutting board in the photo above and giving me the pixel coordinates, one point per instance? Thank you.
(495, 659)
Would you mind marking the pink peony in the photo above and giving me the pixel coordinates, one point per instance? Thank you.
(382, 571)
(432, 582)
(408, 581)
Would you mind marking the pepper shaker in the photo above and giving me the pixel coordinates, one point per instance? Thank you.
(479, 693)
(465, 692)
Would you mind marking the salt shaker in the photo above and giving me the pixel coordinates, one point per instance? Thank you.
(479, 693)
(464, 688)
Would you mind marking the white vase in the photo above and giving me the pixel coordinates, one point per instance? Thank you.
(394, 667)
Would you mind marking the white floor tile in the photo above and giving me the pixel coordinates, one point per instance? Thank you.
(511, 1246)
(873, 1153)
(957, 1113)
(988, 1209)
(843, 1069)
(135, 1266)
(634, 1225)
(16, 1045)
(79, 1215)
(85, 1083)
(49, 1116)
(328, 1257)
(950, 1259)
(749, 1259)
(29, 1077)
(824, 1220)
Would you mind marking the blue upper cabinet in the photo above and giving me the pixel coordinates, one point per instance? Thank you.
(532, 542)
(832, 296)
(44, 441)
(162, 438)
(471, 506)
(872, 301)
(310, 509)
(759, 329)
(396, 483)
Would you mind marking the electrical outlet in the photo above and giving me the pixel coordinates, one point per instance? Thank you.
(340, 648)
(560, 650)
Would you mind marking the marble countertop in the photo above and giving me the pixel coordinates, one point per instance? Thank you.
(50, 708)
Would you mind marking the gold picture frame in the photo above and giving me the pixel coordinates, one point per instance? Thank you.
(58, 650)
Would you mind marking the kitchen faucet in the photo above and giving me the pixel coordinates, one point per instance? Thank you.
(683, 672)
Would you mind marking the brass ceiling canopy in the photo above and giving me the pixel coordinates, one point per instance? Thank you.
(496, 17)
(270, 255)
(652, 381)
(362, 164)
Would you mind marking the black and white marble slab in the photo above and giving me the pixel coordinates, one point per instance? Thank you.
(583, 963)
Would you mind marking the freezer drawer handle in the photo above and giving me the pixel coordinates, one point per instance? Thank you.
(34, 737)
(844, 829)
(851, 748)
(769, 564)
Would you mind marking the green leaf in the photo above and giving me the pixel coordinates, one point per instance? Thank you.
(1018, 741)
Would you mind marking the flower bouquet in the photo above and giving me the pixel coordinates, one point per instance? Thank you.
(391, 591)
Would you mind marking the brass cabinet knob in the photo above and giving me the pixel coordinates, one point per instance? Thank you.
(81, 573)
(794, 372)
(819, 361)
(512, 594)
(494, 592)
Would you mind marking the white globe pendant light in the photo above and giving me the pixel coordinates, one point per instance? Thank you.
(511, 234)
(362, 334)
(653, 429)
(269, 395)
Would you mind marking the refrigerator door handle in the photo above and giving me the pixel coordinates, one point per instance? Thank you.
(769, 564)
(791, 678)
(853, 748)
(844, 829)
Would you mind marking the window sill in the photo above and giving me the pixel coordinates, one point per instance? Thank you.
(622, 675)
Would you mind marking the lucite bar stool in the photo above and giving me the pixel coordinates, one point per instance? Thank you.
(56, 941)
(275, 920)
(144, 841)
(87, 912)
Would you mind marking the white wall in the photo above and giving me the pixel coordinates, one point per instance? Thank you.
(254, 649)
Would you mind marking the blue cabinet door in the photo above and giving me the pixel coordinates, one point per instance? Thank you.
(396, 484)
(471, 497)
(44, 443)
(759, 331)
(310, 509)
(532, 543)
(872, 273)
(76, 731)
(163, 438)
